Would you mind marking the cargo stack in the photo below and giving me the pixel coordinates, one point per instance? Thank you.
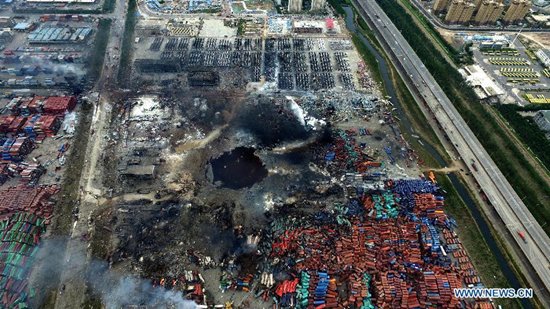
(47, 126)
(17, 124)
(5, 122)
(30, 126)
(347, 155)
(30, 172)
(27, 199)
(35, 106)
(430, 206)
(19, 235)
(59, 105)
(397, 239)
(286, 291)
(6, 156)
(20, 148)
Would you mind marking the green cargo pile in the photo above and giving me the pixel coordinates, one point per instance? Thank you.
(302, 293)
(385, 205)
(367, 303)
(19, 236)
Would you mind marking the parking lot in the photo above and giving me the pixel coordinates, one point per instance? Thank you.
(513, 69)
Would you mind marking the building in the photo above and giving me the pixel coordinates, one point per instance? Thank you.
(544, 57)
(441, 5)
(478, 4)
(23, 27)
(6, 22)
(494, 44)
(489, 12)
(460, 11)
(517, 10)
(294, 6)
(140, 171)
(542, 119)
(317, 5)
(467, 13)
(300, 26)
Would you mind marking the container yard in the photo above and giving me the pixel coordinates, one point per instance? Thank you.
(25, 124)
(24, 214)
(47, 51)
(35, 137)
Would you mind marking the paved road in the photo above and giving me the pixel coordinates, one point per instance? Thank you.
(507, 203)
(437, 23)
(73, 286)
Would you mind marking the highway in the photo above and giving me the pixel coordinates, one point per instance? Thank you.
(498, 190)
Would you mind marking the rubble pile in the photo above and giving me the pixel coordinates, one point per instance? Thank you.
(347, 155)
(190, 283)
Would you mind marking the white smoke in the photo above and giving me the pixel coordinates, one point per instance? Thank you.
(115, 289)
(118, 291)
(306, 120)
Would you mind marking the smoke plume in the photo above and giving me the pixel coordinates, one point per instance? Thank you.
(115, 289)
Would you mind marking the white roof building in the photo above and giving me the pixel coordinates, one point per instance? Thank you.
(544, 57)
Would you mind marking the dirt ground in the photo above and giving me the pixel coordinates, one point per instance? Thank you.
(543, 39)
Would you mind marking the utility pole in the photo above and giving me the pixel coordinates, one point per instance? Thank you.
(519, 32)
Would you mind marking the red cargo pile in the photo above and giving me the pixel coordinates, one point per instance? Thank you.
(348, 155)
(28, 199)
(31, 105)
(466, 269)
(358, 291)
(483, 304)
(318, 254)
(47, 125)
(389, 250)
(30, 171)
(427, 205)
(287, 286)
(17, 124)
(436, 289)
(59, 105)
(5, 122)
(391, 290)
(27, 171)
